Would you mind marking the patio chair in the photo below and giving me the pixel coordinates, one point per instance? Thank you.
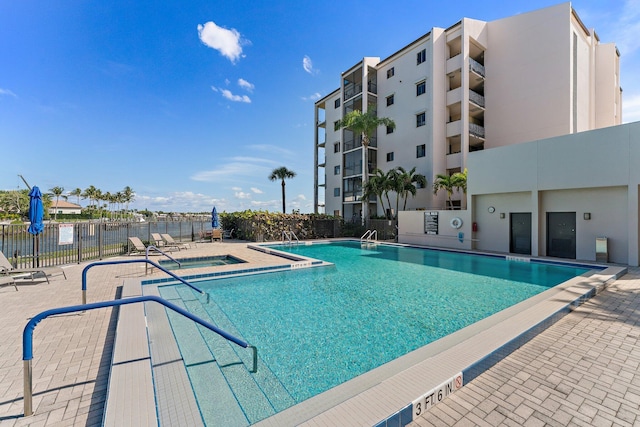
(8, 281)
(157, 240)
(228, 234)
(171, 242)
(138, 247)
(216, 234)
(32, 274)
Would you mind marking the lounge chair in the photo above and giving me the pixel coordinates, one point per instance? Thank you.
(31, 274)
(228, 234)
(138, 247)
(8, 281)
(216, 234)
(169, 241)
(157, 240)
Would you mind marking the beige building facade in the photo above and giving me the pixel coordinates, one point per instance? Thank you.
(470, 87)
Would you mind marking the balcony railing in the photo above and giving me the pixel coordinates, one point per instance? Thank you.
(352, 90)
(352, 196)
(476, 130)
(476, 67)
(356, 142)
(353, 169)
(372, 87)
(476, 98)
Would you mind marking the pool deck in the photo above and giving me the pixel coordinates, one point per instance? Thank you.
(582, 370)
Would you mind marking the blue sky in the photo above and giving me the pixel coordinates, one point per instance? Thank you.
(193, 104)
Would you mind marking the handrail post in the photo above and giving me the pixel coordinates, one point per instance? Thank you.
(28, 388)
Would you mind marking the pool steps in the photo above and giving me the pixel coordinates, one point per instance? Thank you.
(233, 396)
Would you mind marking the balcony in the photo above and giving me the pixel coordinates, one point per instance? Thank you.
(476, 130)
(454, 96)
(321, 123)
(476, 98)
(351, 90)
(454, 64)
(454, 128)
(352, 169)
(454, 160)
(351, 144)
(476, 67)
(372, 87)
(322, 163)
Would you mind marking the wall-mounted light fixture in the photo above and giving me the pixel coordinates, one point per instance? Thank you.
(586, 216)
(502, 215)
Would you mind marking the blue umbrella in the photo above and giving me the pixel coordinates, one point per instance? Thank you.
(214, 218)
(36, 212)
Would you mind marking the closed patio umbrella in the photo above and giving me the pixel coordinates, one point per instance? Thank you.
(214, 218)
(36, 212)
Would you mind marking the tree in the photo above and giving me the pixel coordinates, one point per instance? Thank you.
(408, 181)
(89, 193)
(366, 125)
(282, 173)
(77, 192)
(128, 196)
(447, 183)
(460, 181)
(57, 192)
(376, 186)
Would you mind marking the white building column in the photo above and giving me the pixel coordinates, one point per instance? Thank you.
(535, 223)
(633, 218)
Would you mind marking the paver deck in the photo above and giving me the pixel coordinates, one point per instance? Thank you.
(580, 371)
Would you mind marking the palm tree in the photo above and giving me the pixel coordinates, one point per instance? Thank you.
(366, 125)
(447, 183)
(460, 179)
(128, 196)
(89, 193)
(408, 181)
(77, 192)
(376, 186)
(282, 173)
(57, 192)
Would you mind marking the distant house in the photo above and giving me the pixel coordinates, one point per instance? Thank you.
(64, 207)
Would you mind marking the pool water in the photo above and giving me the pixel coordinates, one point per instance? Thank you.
(319, 327)
(197, 262)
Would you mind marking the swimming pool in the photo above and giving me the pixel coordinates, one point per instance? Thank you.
(319, 327)
(196, 262)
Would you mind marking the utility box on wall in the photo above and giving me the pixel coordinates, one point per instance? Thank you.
(602, 249)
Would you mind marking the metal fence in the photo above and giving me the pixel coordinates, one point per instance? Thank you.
(83, 241)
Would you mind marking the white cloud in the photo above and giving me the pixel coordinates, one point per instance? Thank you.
(272, 149)
(256, 190)
(236, 171)
(227, 42)
(313, 97)
(245, 85)
(307, 64)
(7, 92)
(627, 28)
(241, 195)
(273, 204)
(231, 97)
(236, 188)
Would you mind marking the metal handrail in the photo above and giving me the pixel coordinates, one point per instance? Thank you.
(369, 235)
(163, 253)
(27, 336)
(131, 261)
(290, 235)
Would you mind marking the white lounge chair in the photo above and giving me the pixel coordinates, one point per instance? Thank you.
(170, 241)
(30, 274)
(8, 281)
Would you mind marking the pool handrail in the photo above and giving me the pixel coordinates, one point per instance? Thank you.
(27, 335)
(369, 235)
(290, 235)
(162, 252)
(131, 261)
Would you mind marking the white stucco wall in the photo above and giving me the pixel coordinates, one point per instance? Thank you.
(411, 229)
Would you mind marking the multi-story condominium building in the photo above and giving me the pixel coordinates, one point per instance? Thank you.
(472, 86)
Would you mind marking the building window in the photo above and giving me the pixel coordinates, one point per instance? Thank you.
(421, 56)
(336, 147)
(336, 170)
(421, 151)
(390, 100)
(390, 157)
(336, 192)
(389, 130)
(420, 120)
(390, 72)
(336, 125)
(336, 103)
(421, 88)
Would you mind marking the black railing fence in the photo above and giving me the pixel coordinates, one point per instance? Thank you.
(82, 241)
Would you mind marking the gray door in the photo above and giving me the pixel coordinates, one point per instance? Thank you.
(520, 233)
(561, 234)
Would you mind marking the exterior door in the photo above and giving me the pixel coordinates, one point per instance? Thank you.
(520, 233)
(561, 234)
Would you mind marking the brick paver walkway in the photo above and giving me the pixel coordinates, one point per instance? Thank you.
(581, 371)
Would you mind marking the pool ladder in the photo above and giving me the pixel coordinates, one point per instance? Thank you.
(288, 236)
(370, 236)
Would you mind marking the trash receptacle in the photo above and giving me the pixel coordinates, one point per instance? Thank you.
(602, 249)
